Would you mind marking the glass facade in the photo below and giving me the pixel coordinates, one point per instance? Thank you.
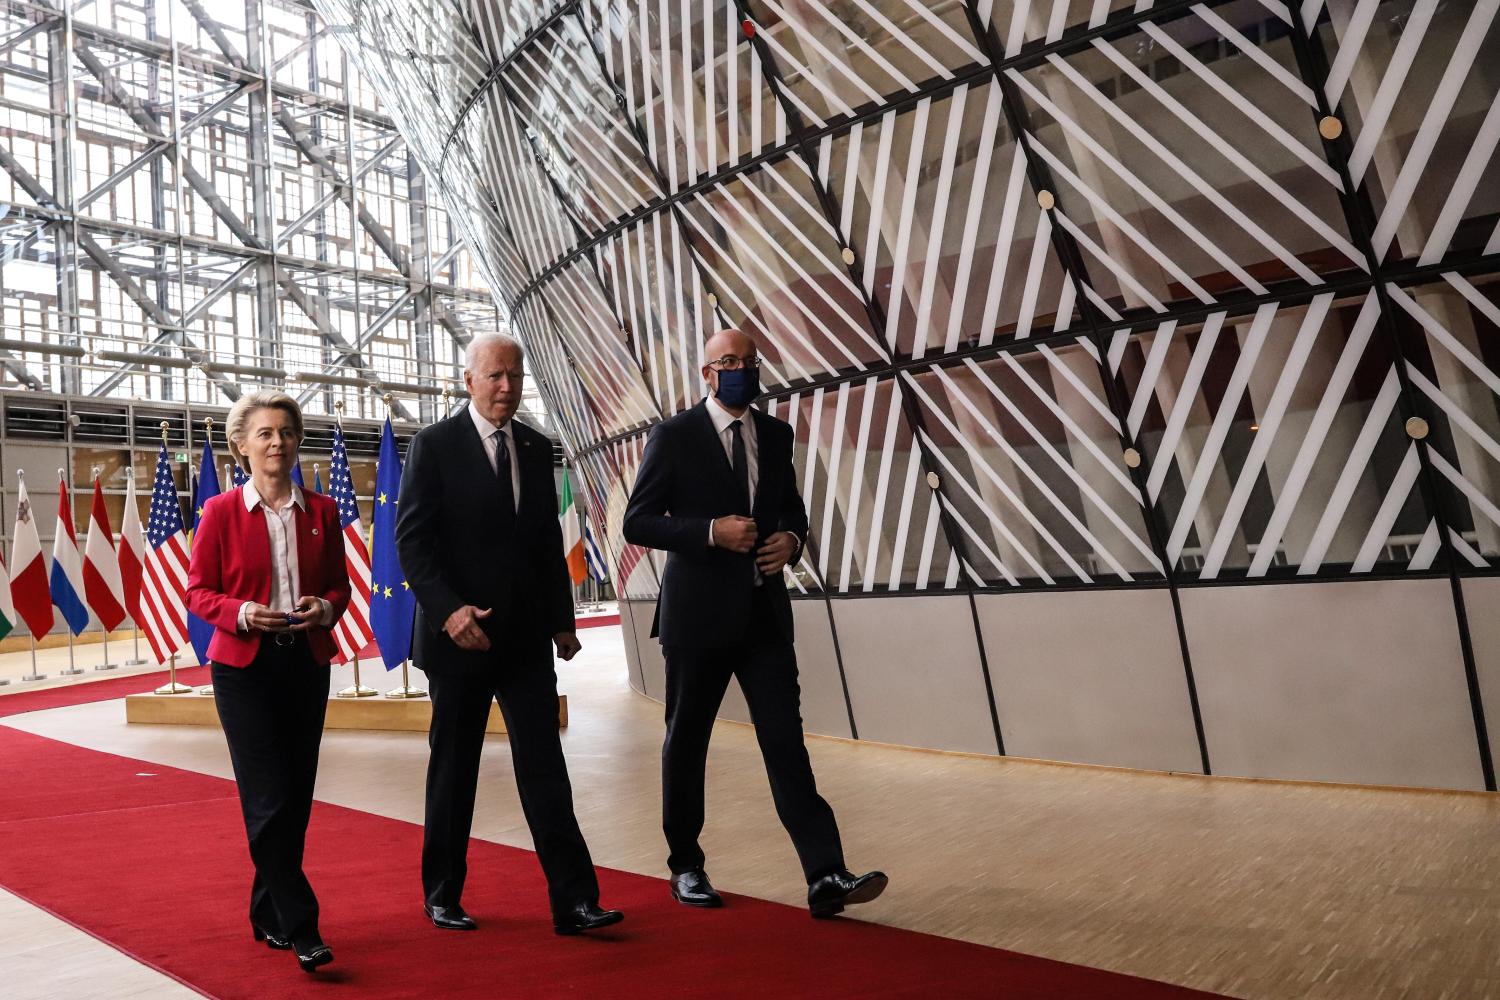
(1057, 296)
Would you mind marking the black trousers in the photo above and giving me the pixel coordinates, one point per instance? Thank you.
(524, 682)
(766, 665)
(272, 712)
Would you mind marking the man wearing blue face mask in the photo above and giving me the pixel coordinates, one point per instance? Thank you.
(717, 491)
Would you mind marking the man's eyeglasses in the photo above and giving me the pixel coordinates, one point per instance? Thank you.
(730, 363)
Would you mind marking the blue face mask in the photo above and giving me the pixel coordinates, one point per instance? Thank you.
(738, 388)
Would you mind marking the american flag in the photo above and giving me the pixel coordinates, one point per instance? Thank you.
(165, 576)
(352, 633)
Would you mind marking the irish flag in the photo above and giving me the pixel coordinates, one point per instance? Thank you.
(572, 537)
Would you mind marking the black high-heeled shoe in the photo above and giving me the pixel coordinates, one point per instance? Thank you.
(273, 941)
(312, 953)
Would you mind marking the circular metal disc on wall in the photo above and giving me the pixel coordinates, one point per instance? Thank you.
(933, 480)
(1045, 199)
(1416, 428)
(1132, 458)
(1329, 127)
(848, 256)
(713, 299)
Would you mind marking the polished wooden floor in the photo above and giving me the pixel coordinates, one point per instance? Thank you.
(1245, 888)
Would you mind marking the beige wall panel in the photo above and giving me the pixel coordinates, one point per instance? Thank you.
(913, 670)
(1482, 602)
(1351, 681)
(1094, 677)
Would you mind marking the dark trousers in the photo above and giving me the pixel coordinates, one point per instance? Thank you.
(525, 684)
(766, 665)
(272, 712)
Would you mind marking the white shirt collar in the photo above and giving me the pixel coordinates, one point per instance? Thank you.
(486, 428)
(252, 499)
(722, 418)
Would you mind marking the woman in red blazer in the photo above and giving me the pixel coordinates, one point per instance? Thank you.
(267, 572)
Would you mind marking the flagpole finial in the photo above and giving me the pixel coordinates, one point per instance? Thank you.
(20, 473)
(165, 426)
(94, 472)
(61, 474)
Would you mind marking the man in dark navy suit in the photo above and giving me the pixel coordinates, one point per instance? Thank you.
(716, 490)
(481, 547)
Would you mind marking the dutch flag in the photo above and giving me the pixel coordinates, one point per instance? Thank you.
(67, 567)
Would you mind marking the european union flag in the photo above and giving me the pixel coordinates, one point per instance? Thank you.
(393, 606)
(200, 631)
(317, 480)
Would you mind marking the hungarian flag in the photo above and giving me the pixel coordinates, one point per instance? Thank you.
(28, 584)
(572, 538)
(132, 553)
(101, 567)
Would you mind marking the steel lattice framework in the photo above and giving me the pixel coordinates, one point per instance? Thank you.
(1058, 294)
(197, 194)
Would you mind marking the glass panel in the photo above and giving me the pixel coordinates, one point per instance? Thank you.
(1275, 442)
(1188, 164)
(1029, 456)
(1417, 87)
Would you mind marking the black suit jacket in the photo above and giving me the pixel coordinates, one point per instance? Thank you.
(457, 549)
(685, 481)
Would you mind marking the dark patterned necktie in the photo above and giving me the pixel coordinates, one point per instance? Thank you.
(502, 473)
(741, 465)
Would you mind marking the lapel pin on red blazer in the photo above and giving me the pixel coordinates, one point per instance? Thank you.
(315, 531)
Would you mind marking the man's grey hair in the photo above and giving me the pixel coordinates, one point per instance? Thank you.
(487, 340)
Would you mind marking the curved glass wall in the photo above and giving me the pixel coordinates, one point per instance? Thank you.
(1109, 324)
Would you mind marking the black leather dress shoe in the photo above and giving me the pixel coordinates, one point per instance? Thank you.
(449, 918)
(584, 917)
(692, 888)
(274, 941)
(311, 952)
(831, 893)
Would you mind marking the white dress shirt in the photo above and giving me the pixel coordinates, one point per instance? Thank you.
(491, 440)
(722, 419)
(281, 525)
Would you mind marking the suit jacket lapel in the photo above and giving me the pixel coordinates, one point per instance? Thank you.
(768, 461)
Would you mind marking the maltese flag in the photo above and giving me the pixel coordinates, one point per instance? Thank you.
(101, 567)
(67, 568)
(28, 578)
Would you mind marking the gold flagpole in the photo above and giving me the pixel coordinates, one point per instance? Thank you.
(171, 687)
(355, 690)
(406, 690)
(207, 690)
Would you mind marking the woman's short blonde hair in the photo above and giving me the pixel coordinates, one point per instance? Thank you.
(237, 425)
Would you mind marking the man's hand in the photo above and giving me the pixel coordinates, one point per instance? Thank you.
(567, 645)
(735, 533)
(771, 557)
(463, 628)
(262, 619)
(309, 612)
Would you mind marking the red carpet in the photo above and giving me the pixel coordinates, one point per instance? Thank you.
(152, 860)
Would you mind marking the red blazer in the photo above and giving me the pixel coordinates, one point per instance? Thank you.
(231, 564)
